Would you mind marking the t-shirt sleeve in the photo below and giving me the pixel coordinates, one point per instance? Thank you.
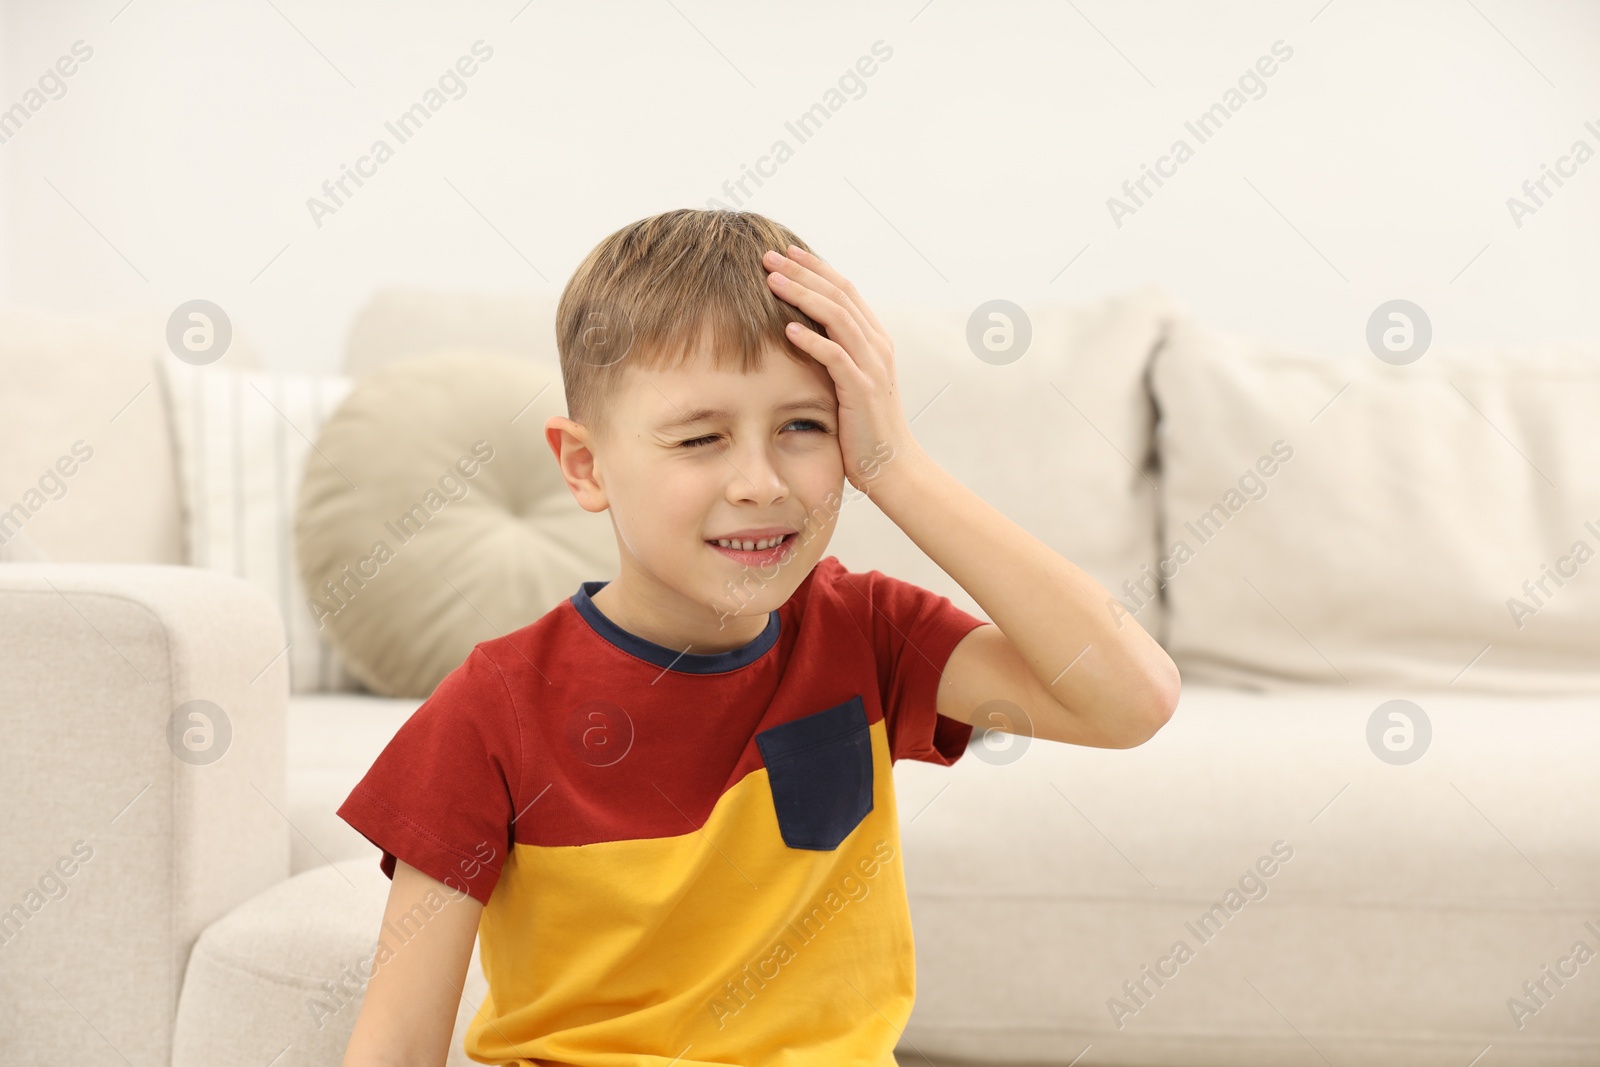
(440, 794)
(914, 630)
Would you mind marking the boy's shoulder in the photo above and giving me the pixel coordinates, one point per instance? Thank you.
(865, 590)
(548, 636)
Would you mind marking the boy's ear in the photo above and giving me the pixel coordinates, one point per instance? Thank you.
(570, 441)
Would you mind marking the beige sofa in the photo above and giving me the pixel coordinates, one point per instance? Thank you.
(1340, 901)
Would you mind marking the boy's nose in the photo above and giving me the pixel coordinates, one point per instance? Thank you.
(754, 476)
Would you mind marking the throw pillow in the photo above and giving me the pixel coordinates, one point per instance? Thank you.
(242, 440)
(433, 515)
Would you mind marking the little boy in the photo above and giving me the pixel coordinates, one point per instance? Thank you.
(667, 806)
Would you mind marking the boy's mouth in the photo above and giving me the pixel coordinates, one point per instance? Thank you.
(776, 549)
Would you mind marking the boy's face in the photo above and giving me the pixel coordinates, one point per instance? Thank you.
(673, 486)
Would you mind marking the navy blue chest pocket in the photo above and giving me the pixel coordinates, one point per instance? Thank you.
(820, 770)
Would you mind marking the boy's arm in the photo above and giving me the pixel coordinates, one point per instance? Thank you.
(409, 1010)
(1062, 647)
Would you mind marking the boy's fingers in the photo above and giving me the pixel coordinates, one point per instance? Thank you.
(813, 262)
(828, 287)
(848, 330)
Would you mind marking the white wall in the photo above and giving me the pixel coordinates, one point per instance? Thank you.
(977, 164)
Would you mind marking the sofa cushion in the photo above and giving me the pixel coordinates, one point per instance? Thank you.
(88, 464)
(1348, 521)
(1337, 907)
(280, 979)
(1058, 439)
(434, 508)
(242, 439)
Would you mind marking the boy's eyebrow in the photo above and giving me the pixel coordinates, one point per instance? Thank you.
(702, 414)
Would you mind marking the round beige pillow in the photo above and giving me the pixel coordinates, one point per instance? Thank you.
(433, 516)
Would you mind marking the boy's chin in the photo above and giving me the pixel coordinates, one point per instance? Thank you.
(752, 594)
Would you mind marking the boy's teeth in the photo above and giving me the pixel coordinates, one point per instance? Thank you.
(752, 546)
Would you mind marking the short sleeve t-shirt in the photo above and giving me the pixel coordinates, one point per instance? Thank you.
(684, 859)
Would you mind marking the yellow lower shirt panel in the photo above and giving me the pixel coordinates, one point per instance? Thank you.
(720, 946)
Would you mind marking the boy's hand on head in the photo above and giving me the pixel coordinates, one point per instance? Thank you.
(858, 353)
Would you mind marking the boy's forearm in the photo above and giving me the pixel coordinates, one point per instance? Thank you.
(369, 1047)
(368, 1051)
(1098, 663)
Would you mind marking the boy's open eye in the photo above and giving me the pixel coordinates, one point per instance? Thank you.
(697, 442)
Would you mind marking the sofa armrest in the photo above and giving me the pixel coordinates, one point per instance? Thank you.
(125, 837)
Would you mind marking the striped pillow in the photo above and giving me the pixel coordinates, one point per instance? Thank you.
(241, 439)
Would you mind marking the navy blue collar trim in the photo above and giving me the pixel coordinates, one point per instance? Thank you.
(662, 656)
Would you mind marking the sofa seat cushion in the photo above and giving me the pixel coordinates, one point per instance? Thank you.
(1414, 901)
(280, 978)
(333, 739)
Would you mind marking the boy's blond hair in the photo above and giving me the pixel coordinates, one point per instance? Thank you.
(652, 291)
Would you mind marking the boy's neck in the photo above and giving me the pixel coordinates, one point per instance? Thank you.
(715, 634)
